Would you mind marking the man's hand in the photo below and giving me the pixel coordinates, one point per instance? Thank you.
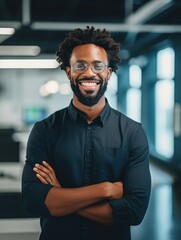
(116, 190)
(46, 174)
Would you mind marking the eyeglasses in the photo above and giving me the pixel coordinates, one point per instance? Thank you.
(96, 67)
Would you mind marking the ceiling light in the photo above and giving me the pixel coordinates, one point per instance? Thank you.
(49, 88)
(52, 86)
(19, 50)
(28, 63)
(7, 31)
(43, 91)
(65, 89)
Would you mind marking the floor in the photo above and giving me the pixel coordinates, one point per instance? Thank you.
(162, 220)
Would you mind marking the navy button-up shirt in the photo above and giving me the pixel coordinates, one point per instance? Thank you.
(112, 148)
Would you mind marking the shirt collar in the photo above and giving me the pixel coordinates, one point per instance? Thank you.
(76, 115)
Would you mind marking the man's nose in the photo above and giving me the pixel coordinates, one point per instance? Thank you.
(88, 71)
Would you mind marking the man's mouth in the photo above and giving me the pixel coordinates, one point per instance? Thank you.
(89, 83)
(89, 86)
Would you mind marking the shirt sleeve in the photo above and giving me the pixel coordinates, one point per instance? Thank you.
(33, 191)
(130, 209)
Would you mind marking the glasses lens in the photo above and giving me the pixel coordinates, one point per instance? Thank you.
(96, 67)
(80, 66)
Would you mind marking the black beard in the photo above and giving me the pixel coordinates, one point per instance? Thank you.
(86, 100)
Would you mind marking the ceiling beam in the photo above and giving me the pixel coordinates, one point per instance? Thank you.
(148, 11)
(112, 27)
(26, 18)
(10, 24)
(128, 5)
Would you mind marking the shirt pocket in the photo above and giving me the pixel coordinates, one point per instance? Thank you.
(113, 161)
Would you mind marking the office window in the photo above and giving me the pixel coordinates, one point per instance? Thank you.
(112, 88)
(133, 98)
(164, 99)
(135, 76)
(165, 63)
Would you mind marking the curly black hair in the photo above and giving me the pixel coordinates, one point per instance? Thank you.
(98, 37)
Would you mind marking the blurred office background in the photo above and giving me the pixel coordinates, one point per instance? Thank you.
(146, 88)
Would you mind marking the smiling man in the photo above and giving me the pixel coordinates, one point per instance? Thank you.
(87, 75)
(87, 169)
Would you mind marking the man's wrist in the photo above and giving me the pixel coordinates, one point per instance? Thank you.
(106, 189)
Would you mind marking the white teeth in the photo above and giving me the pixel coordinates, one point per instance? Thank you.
(89, 84)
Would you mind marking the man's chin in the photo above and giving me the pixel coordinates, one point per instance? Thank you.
(89, 98)
(88, 101)
(89, 93)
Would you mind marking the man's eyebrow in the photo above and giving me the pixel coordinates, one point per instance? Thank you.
(97, 61)
(81, 61)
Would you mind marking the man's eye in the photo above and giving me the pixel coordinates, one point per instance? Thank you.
(80, 66)
(99, 66)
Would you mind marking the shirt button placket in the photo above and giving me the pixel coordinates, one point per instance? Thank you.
(88, 155)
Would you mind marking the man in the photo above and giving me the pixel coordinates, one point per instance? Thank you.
(87, 169)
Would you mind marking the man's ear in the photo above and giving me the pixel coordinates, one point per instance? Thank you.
(68, 72)
(109, 73)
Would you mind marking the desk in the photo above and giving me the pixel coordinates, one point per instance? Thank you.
(9, 184)
(15, 223)
(10, 180)
(10, 191)
(21, 229)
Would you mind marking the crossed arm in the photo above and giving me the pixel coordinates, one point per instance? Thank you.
(89, 201)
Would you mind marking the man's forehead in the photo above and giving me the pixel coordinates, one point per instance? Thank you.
(88, 51)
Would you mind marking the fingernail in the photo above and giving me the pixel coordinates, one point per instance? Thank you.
(36, 165)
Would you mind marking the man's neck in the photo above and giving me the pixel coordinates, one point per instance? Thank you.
(91, 112)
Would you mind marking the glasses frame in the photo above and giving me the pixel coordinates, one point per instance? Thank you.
(92, 65)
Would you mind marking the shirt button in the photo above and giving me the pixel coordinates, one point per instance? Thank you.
(89, 127)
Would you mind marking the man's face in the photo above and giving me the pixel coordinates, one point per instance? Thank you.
(88, 73)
